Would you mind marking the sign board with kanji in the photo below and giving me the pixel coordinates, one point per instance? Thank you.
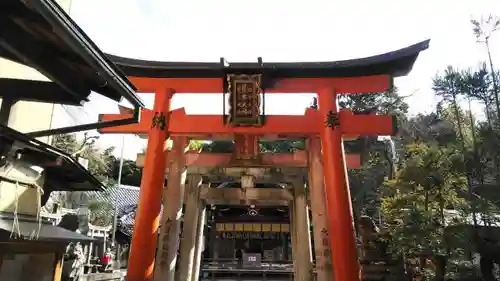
(244, 99)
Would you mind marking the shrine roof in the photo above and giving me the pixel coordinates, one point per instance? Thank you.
(62, 171)
(27, 226)
(396, 63)
(124, 199)
(41, 35)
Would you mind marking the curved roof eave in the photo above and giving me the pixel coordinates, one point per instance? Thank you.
(395, 63)
(25, 142)
(40, 34)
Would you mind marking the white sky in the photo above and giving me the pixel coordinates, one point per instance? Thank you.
(284, 30)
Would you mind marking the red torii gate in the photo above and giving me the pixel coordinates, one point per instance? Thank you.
(370, 75)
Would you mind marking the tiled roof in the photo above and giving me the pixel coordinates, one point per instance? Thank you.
(125, 200)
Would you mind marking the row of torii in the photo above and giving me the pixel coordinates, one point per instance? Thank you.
(326, 161)
(337, 217)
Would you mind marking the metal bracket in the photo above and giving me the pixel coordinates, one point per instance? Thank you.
(87, 127)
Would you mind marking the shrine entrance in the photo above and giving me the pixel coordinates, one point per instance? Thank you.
(323, 164)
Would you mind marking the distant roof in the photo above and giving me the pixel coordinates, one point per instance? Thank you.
(125, 200)
(46, 232)
(62, 171)
(39, 34)
(396, 63)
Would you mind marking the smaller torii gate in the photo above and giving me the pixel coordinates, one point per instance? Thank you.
(217, 167)
(245, 82)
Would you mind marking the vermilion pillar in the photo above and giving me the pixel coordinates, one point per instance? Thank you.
(339, 210)
(142, 251)
(316, 186)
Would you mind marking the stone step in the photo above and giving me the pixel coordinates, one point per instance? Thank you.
(105, 276)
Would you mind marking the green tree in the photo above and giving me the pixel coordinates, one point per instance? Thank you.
(99, 161)
(101, 164)
(101, 213)
(131, 173)
(377, 161)
(196, 144)
(414, 205)
(428, 128)
(476, 85)
(448, 86)
(441, 182)
(483, 29)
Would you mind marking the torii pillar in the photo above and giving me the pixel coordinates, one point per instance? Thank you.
(316, 187)
(173, 197)
(300, 230)
(190, 226)
(200, 241)
(142, 250)
(339, 208)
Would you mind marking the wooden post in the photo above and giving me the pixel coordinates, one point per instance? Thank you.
(293, 238)
(142, 250)
(1, 263)
(318, 209)
(168, 245)
(189, 233)
(91, 247)
(200, 242)
(300, 230)
(339, 208)
(58, 266)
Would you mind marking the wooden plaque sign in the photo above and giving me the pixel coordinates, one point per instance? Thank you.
(244, 99)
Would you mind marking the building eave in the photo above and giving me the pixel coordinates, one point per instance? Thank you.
(63, 171)
(41, 35)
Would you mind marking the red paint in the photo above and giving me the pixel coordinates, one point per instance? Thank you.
(142, 250)
(339, 211)
(365, 84)
(338, 200)
(311, 123)
(296, 159)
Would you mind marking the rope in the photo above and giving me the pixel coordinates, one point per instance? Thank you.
(15, 223)
(36, 233)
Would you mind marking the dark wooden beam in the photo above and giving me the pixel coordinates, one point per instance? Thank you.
(255, 196)
(5, 108)
(39, 55)
(31, 90)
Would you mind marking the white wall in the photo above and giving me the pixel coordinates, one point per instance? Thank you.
(29, 116)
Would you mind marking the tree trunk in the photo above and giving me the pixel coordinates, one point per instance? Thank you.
(488, 115)
(493, 79)
(462, 144)
(426, 202)
(440, 262)
(474, 143)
